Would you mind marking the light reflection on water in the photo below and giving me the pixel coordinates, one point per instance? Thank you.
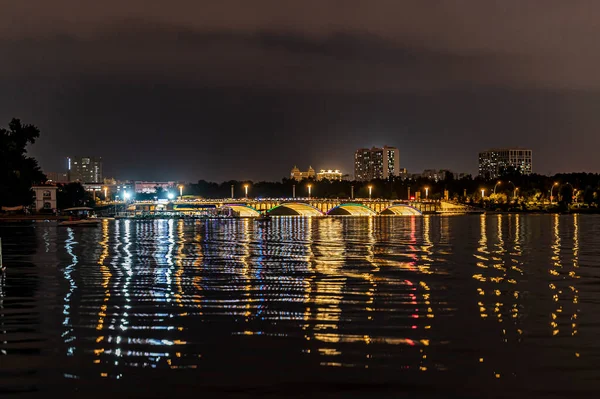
(480, 298)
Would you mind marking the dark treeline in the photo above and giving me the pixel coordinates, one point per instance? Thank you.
(531, 187)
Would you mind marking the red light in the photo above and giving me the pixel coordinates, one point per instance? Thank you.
(412, 198)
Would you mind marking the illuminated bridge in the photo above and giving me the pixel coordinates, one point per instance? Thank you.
(310, 207)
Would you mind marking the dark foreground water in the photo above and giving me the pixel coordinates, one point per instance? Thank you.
(464, 306)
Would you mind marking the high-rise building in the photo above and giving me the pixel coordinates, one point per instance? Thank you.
(85, 169)
(376, 163)
(297, 175)
(495, 162)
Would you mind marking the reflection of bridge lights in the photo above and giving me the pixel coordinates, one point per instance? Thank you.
(67, 272)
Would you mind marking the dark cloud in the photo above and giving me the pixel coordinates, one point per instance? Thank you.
(226, 90)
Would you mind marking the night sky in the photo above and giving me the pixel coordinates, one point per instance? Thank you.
(189, 89)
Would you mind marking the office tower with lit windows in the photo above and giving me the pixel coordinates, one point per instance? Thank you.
(376, 163)
(85, 169)
(495, 162)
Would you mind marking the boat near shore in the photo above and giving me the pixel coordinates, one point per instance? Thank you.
(80, 216)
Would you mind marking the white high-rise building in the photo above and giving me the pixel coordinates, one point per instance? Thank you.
(85, 169)
(495, 162)
(376, 163)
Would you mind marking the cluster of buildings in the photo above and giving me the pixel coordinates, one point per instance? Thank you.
(384, 162)
(369, 164)
(88, 171)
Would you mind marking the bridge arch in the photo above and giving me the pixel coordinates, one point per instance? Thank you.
(352, 209)
(242, 210)
(401, 210)
(295, 209)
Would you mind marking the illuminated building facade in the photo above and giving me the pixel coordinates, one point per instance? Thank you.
(495, 162)
(44, 197)
(85, 169)
(149, 187)
(297, 175)
(376, 163)
(329, 175)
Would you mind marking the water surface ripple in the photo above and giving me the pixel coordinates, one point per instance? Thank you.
(463, 306)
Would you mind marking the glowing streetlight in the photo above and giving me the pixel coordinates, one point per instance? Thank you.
(552, 188)
(497, 184)
(246, 189)
(309, 187)
(426, 192)
(126, 195)
(370, 191)
(482, 193)
(181, 190)
(170, 195)
(105, 192)
(515, 193)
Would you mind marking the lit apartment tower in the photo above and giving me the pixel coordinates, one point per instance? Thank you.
(85, 169)
(493, 163)
(376, 163)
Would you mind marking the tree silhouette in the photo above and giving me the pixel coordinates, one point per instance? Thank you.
(18, 172)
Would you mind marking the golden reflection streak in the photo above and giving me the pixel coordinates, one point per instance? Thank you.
(197, 267)
(329, 286)
(246, 262)
(574, 275)
(424, 267)
(556, 264)
(309, 281)
(179, 265)
(106, 276)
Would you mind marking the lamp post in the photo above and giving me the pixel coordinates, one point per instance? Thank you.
(181, 190)
(552, 188)
(309, 187)
(105, 192)
(426, 192)
(232, 191)
(496, 185)
(293, 191)
(482, 193)
(246, 190)
(515, 193)
(352, 192)
(370, 191)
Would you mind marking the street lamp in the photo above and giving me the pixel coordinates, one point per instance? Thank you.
(552, 188)
(126, 195)
(515, 193)
(426, 192)
(181, 190)
(370, 191)
(246, 190)
(309, 187)
(496, 186)
(105, 192)
(482, 193)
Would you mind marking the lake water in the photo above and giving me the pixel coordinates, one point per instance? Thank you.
(461, 306)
